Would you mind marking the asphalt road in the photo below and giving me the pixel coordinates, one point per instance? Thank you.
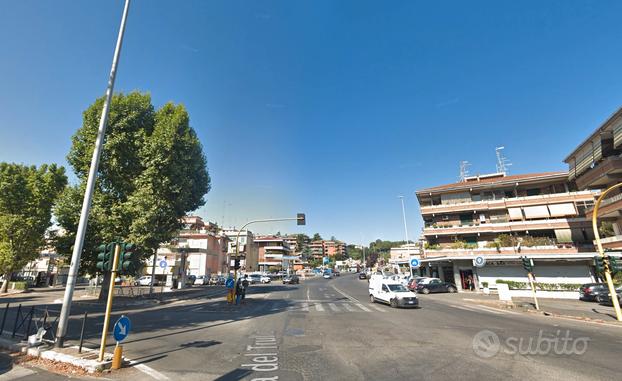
(328, 330)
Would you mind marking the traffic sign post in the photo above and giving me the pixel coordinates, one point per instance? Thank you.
(120, 330)
(479, 261)
(414, 263)
(163, 264)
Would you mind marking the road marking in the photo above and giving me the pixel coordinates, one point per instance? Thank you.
(348, 307)
(334, 307)
(305, 307)
(498, 310)
(318, 307)
(308, 293)
(363, 307)
(380, 309)
(151, 372)
(475, 309)
(17, 372)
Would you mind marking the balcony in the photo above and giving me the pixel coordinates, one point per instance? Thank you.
(557, 223)
(509, 202)
(530, 250)
(614, 243)
(609, 207)
(606, 172)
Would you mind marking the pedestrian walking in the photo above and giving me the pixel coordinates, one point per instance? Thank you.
(244, 287)
(470, 283)
(239, 290)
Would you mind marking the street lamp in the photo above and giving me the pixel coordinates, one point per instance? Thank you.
(300, 219)
(406, 233)
(612, 290)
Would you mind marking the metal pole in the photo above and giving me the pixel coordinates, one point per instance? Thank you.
(6, 311)
(153, 274)
(601, 251)
(115, 263)
(86, 315)
(406, 232)
(90, 186)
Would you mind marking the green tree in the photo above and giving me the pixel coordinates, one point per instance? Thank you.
(152, 172)
(317, 237)
(27, 194)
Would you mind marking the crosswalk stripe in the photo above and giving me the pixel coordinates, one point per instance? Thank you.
(305, 307)
(348, 307)
(334, 307)
(363, 307)
(476, 309)
(379, 309)
(318, 307)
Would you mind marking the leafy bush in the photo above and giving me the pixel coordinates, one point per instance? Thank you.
(19, 285)
(485, 284)
(513, 285)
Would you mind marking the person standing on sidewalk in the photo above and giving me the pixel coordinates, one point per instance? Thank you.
(230, 285)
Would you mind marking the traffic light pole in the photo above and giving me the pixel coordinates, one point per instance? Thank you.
(533, 290)
(601, 251)
(88, 194)
(113, 275)
(237, 238)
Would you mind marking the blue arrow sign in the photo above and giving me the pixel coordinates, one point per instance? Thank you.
(163, 263)
(414, 262)
(122, 328)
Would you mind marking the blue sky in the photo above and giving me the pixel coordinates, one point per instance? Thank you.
(333, 108)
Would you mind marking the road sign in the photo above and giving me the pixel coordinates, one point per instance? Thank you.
(163, 263)
(122, 328)
(479, 261)
(230, 283)
(414, 263)
(325, 260)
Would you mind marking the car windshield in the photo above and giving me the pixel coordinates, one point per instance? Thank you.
(398, 288)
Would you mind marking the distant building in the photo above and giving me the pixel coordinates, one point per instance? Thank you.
(248, 249)
(325, 248)
(539, 215)
(275, 252)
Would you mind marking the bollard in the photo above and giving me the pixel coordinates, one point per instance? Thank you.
(19, 311)
(117, 358)
(6, 311)
(45, 317)
(86, 314)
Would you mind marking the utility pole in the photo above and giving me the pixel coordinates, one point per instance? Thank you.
(406, 233)
(90, 187)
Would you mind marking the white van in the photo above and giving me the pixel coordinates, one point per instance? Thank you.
(391, 292)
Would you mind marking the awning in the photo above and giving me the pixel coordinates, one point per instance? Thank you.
(515, 213)
(540, 211)
(561, 210)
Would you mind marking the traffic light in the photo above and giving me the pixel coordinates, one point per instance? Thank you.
(236, 264)
(615, 264)
(599, 264)
(128, 259)
(527, 264)
(301, 219)
(105, 255)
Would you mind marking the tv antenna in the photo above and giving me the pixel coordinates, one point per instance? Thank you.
(502, 162)
(464, 170)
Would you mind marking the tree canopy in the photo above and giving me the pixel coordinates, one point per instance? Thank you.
(152, 172)
(317, 237)
(27, 194)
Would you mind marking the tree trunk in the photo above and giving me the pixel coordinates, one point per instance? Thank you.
(103, 293)
(5, 283)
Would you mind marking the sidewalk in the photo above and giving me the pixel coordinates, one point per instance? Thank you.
(576, 309)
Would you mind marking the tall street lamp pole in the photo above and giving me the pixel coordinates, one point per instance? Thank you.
(90, 187)
(406, 234)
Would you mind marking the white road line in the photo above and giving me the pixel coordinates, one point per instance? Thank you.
(327, 296)
(476, 309)
(318, 307)
(308, 293)
(17, 372)
(334, 307)
(497, 310)
(348, 307)
(305, 307)
(151, 372)
(380, 309)
(363, 307)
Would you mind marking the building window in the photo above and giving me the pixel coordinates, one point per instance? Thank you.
(533, 192)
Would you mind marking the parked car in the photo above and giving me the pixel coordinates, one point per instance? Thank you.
(216, 280)
(291, 279)
(594, 292)
(327, 275)
(336, 273)
(265, 279)
(190, 279)
(144, 280)
(202, 280)
(254, 278)
(606, 299)
(362, 275)
(391, 292)
(435, 285)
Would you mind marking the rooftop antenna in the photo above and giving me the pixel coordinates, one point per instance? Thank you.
(464, 170)
(502, 162)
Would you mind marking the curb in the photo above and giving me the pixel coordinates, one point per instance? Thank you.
(90, 365)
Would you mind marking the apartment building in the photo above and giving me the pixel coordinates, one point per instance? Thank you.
(274, 252)
(317, 249)
(199, 249)
(323, 248)
(539, 215)
(248, 253)
(597, 164)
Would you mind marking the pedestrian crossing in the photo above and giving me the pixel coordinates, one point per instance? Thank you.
(328, 306)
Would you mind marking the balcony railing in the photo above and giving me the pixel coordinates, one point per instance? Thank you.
(510, 202)
(557, 223)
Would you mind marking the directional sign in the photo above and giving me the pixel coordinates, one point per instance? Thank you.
(163, 263)
(122, 328)
(479, 261)
(229, 283)
(325, 260)
(414, 263)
